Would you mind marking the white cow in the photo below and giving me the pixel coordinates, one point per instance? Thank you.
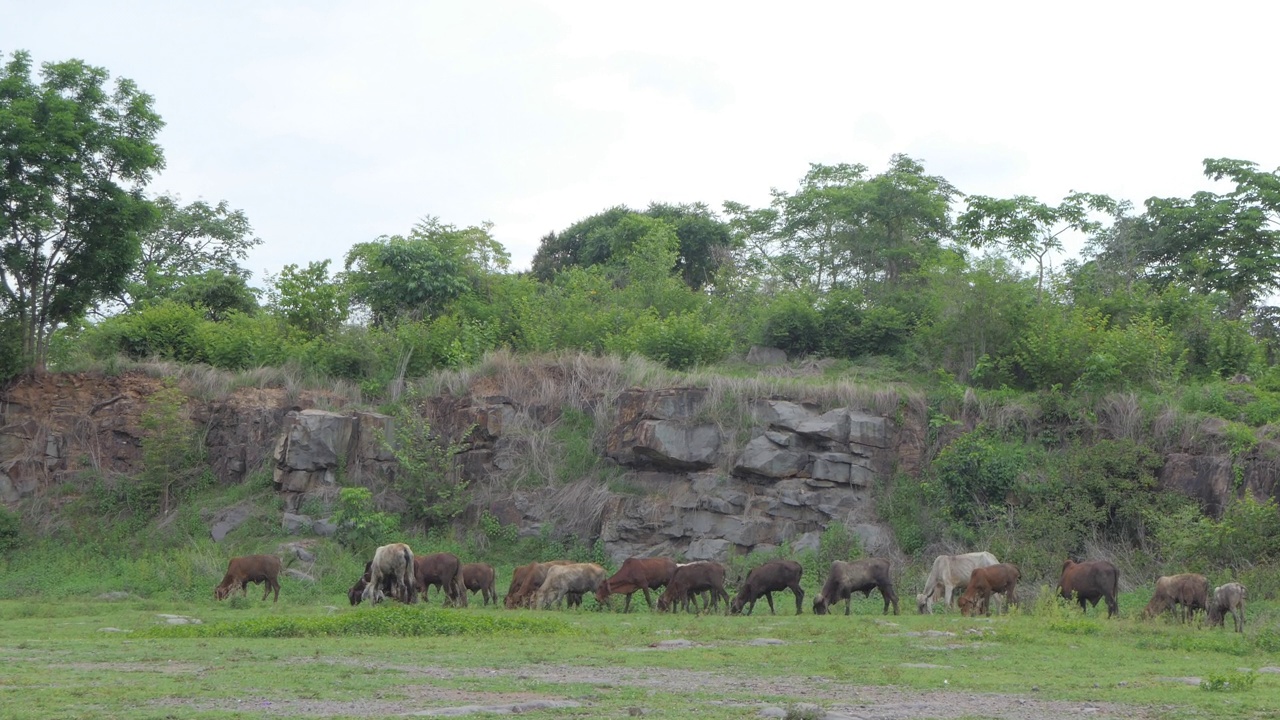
(949, 573)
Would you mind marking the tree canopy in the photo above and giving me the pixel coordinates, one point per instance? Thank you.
(75, 156)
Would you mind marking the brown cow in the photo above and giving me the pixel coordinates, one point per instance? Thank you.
(847, 578)
(1090, 581)
(1185, 593)
(577, 578)
(393, 563)
(986, 581)
(1228, 598)
(444, 571)
(250, 569)
(690, 579)
(479, 577)
(775, 575)
(642, 574)
(526, 581)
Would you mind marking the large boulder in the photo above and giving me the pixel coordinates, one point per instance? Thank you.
(763, 458)
(655, 429)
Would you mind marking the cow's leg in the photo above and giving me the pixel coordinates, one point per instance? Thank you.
(647, 601)
(947, 589)
(767, 596)
(848, 602)
(799, 593)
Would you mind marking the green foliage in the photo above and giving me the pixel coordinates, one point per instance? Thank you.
(1247, 534)
(679, 341)
(389, 619)
(1228, 682)
(976, 474)
(837, 543)
(426, 474)
(77, 155)
(308, 299)
(793, 324)
(361, 528)
(11, 532)
(172, 455)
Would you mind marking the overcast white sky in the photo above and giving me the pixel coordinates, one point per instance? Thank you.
(331, 123)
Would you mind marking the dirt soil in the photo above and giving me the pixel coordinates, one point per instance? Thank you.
(840, 701)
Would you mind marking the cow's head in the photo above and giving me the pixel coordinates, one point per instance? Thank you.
(820, 605)
(603, 591)
(221, 592)
(922, 603)
(966, 605)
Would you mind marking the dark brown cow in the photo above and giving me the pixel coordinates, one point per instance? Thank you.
(642, 574)
(693, 578)
(847, 578)
(1185, 593)
(526, 581)
(775, 575)
(576, 579)
(356, 593)
(985, 582)
(1090, 581)
(1228, 598)
(442, 570)
(250, 569)
(394, 564)
(479, 577)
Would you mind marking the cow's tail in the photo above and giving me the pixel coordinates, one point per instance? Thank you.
(459, 588)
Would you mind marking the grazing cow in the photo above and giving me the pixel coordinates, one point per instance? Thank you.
(1090, 581)
(847, 578)
(479, 577)
(642, 574)
(1228, 598)
(526, 581)
(690, 579)
(948, 573)
(444, 571)
(356, 593)
(250, 569)
(1186, 593)
(393, 563)
(986, 581)
(775, 575)
(577, 578)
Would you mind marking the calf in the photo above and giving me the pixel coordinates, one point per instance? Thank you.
(986, 581)
(764, 580)
(948, 573)
(692, 578)
(391, 564)
(442, 570)
(250, 569)
(1090, 581)
(479, 577)
(577, 578)
(863, 576)
(1228, 598)
(1186, 593)
(642, 574)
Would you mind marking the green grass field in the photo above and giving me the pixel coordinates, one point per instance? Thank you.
(303, 658)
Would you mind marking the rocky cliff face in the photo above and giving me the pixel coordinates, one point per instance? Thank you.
(683, 482)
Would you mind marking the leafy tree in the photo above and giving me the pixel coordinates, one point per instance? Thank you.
(703, 241)
(75, 156)
(217, 292)
(1225, 243)
(419, 275)
(308, 298)
(1027, 228)
(197, 240)
(844, 226)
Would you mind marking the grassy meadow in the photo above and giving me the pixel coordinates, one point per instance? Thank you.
(305, 657)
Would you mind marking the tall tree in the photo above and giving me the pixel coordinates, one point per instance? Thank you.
(1226, 243)
(419, 275)
(844, 226)
(75, 156)
(189, 241)
(704, 241)
(1029, 229)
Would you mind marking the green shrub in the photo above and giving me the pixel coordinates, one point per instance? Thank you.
(680, 341)
(11, 533)
(976, 474)
(793, 324)
(361, 528)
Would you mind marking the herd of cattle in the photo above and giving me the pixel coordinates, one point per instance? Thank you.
(395, 572)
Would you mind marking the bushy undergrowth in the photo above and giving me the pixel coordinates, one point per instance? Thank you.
(384, 620)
